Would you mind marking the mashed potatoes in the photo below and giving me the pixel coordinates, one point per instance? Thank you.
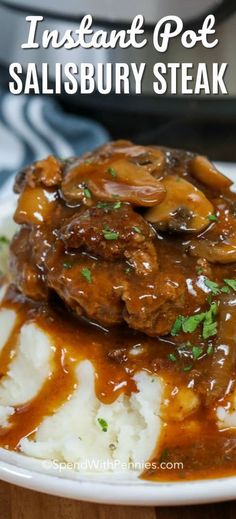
(76, 432)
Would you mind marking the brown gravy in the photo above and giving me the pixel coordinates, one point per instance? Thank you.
(87, 235)
(196, 443)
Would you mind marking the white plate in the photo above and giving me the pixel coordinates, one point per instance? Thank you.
(109, 488)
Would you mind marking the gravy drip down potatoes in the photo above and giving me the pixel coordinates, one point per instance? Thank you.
(139, 244)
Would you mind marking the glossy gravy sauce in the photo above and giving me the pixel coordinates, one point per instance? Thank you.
(191, 446)
(188, 449)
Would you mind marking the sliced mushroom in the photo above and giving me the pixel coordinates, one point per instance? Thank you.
(151, 159)
(35, 205)
(46, 172)
(205, 172)
(218, 375)
(115, 178)
(184, 208)
(215, 252)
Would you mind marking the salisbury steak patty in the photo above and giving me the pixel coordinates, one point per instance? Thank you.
(92, 231)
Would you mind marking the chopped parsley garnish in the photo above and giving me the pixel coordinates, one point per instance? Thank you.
(212, 218)
(110, 235)
(187, 368)
(67, 265)
(190, 324)
(214, 287)
(225, 290)
(231, 283)
(4, 240)
(117, 205)
(86, 273)
(103, 205)
(199, 270)
(177, 326)
(109, 207)
(112, 172)
(128, 270)
(210, 324)
(103, 424)
(87, 193)
(172, 357)
(209, 329)
(210, 349)
(197, 352)
(137, 230)
(189, 351)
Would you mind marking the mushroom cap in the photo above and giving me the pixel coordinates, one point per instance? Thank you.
(223, 252)
(36, 205)
(118, 177)
(205, 172)
(184, 208)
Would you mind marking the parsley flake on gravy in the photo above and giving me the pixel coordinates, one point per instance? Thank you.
(213, 218)
(231, 283)
(172, 357)
(197, 352)
(225, 290)
(190, 324)
(103, 205)
(210, 324)
(199, 271)
(108, 206)
(110, 235)
(87, 193)
(117, 205)
(112, 172)
(214, 287)
(210, 349)
(137, 230)
(86, 273)
(177, 326)
(187, 368)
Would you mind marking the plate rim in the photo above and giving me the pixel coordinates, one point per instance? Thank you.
(139, 493)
